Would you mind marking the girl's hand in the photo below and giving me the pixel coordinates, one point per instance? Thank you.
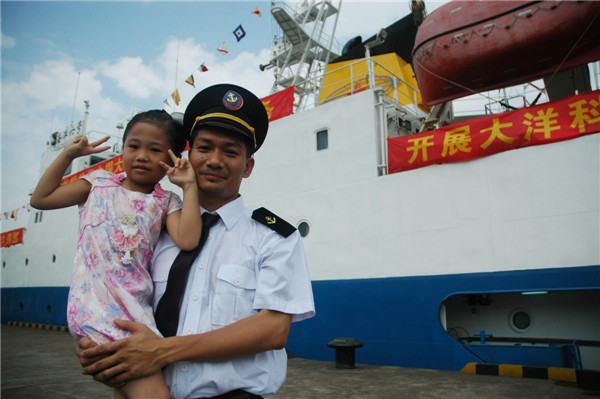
(80, 147)
(181, 173)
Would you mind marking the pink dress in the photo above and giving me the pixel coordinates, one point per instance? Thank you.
(118, 230)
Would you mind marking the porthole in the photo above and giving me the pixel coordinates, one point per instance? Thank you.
(26, 261)
(53, 258)
(520, 320)
(3, 264)
(304, 229)
(49, 307)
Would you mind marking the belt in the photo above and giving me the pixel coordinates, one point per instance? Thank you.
(237, 394)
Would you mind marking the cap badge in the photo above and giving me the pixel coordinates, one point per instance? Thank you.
(233, 100)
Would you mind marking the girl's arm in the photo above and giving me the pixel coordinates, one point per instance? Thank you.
(48, 193)
(185, 226)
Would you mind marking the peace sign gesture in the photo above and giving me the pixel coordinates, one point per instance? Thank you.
(181, 173)
(80, 146)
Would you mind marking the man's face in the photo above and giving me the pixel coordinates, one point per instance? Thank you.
(220, 163)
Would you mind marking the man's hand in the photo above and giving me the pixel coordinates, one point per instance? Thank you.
(117, 362)
(83, 344)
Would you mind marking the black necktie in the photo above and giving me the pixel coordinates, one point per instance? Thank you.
(167, 311)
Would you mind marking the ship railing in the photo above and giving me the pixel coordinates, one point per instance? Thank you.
(300, 9)
(575, 344)
(355, 78)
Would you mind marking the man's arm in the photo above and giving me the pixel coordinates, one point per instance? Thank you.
(145, 353)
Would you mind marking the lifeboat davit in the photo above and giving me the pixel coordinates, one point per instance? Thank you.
(466, 47)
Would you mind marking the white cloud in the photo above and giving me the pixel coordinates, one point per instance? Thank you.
(31, 110)
(45, 101)
(8, 42)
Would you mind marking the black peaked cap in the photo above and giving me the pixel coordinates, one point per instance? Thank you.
(229, 107)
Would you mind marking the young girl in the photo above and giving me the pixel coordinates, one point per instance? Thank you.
(120, 219)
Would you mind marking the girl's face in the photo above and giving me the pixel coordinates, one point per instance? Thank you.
(145, 146)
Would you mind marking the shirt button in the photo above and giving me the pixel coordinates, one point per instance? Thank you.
(201, 266)
(184, 367)
(238, 282)
(163, 277)
(189, 331)
(195, 297)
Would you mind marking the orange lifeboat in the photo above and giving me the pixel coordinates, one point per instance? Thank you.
(466, 47)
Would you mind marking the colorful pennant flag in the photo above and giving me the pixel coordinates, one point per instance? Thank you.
(222, 48)
(257, 12)
(202, 68)
(239, 33)
(279, 104)
(175, 97)
(167, 102)
(190, 80)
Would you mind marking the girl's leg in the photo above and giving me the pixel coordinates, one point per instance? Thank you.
(152, 387)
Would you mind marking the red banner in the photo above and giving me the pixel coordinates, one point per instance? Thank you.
(12, 237)
(558, 120)
(113, 165)
(279, 104)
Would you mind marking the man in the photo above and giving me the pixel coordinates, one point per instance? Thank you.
(243, 290)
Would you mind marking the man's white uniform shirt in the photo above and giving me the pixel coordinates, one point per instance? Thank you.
(243, 267)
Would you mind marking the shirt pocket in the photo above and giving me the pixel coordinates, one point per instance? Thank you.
(234, 294)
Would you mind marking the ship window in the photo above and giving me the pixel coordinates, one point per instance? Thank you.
(94, 160)
(26, 261)
(53, 258)
(38, 217)
(3, 264)
(304, 229)
(520, 320)
(322, 140)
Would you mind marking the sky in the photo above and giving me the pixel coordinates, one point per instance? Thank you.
(124, 57)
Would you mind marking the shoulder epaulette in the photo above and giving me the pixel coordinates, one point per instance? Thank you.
(273, 222)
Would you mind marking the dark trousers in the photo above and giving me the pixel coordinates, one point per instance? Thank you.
(237, 394)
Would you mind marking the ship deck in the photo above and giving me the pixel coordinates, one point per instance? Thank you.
(41, 363)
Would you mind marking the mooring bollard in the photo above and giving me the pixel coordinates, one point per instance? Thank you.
(344, 351)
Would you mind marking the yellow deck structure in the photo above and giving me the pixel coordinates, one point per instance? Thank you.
(390, 71)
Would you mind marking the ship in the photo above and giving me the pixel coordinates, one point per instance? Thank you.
(434, 239)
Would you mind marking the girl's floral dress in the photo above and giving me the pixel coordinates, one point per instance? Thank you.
(118, 230)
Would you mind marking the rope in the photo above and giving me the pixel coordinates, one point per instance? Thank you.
(472, 91)
(566, 57)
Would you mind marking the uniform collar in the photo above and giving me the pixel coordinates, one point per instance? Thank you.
(230, 212)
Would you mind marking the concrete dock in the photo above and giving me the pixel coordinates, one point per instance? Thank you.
(37, 363)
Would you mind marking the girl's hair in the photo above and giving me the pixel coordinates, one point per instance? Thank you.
(161, 119)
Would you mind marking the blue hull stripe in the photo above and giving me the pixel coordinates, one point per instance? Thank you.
(397, 319)
(43, 305)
